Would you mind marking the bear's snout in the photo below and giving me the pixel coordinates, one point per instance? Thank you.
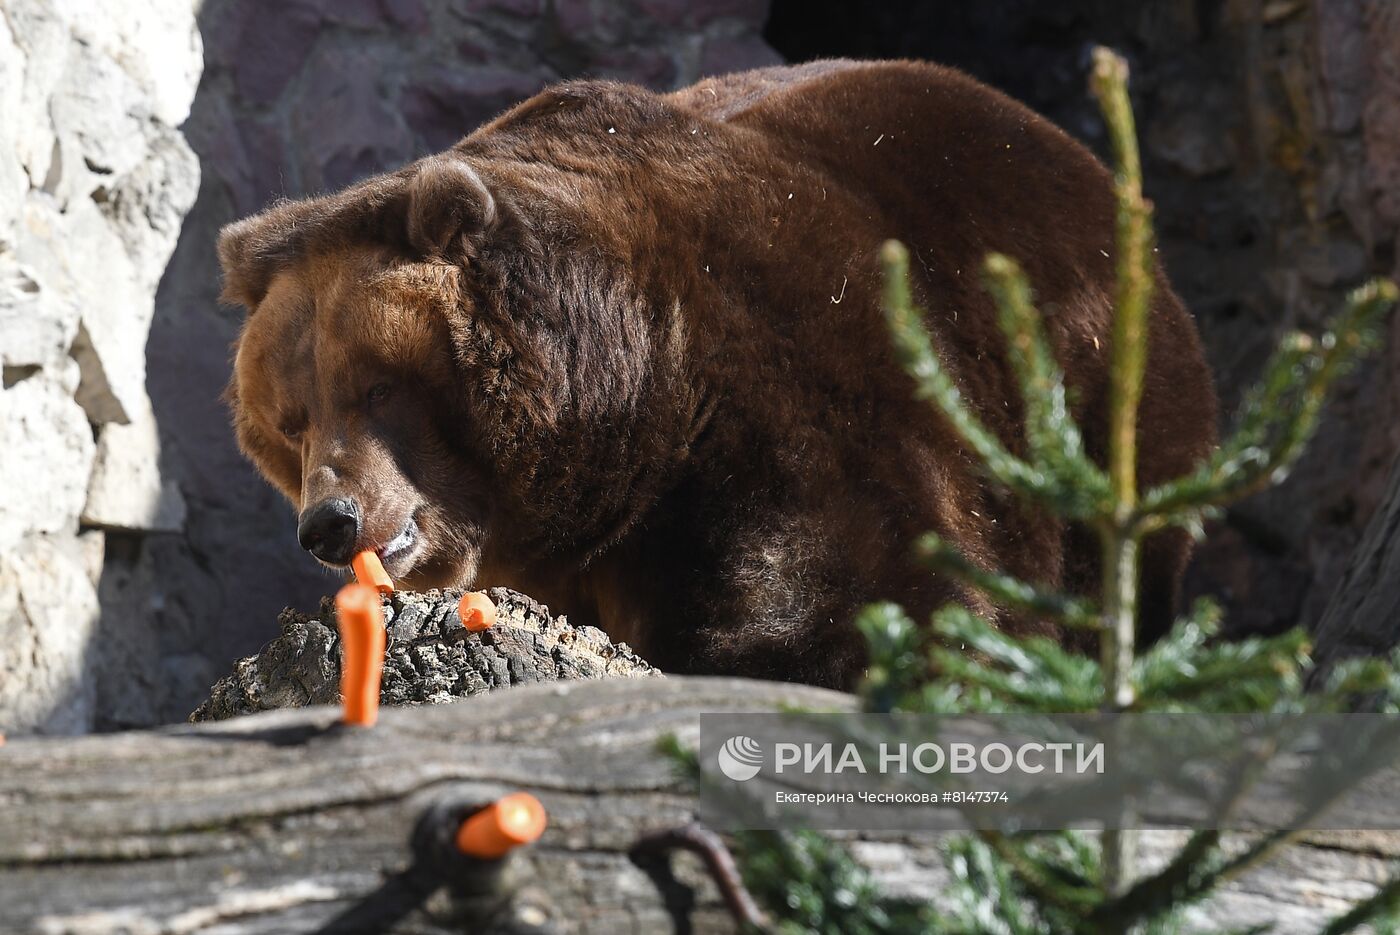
(330, 529)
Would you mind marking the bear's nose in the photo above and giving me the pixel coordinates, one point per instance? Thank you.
(329, 529)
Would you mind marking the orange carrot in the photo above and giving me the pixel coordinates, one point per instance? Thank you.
(370, 570)
(477, 611)
(502, 826)
(361, 619)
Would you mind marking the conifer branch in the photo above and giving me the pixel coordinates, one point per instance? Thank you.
(915, 351)
(1279, 414)
(1133, 242)
(1004, 590)
(1052, 437)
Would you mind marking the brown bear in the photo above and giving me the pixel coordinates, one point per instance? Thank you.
(623, 351)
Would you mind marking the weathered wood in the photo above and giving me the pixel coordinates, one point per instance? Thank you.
(429, 656)
(1363, 615)
(281, 822)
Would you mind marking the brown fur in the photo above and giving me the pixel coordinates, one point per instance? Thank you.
(637, 366)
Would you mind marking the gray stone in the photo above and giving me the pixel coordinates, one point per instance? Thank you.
(271, 41)
(349, 130)
(38, 330)
(98, 114)
(92, 550)
(126, 491)
(94, 182)
(155, 42)
(1341, 52)
(447, 104)
(48, 618)
(726, 54)
(13, 182)
(48, 452)
(1381, 114)
(1191, 141)
(147, 205)
(42, 39)
(1335, 261)
(77, 257)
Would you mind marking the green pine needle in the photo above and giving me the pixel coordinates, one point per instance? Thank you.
(1004, 590)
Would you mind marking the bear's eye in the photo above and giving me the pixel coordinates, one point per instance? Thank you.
(292, 432)
(378, 393)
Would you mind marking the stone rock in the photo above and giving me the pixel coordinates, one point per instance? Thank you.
(574, 17)
(13, 182)
(38, 331)
(48, 453)
(693, 13)
(126, 491)
(146, 206)
(48, 618)
(155, 42)
(407, 14)
(446, 104)
(129, 678)
(92, 549)
(79, 258)
(97, 116)
(1341, 52)
(42, 40)
(1191, 141)
(1381, 114)
(727, 54)
(476, 10)
(349, 129)
(1335, 261)
(94, 182)
(270, 42)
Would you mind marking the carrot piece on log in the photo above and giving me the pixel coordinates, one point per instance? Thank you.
(370, 570)
(502, 826)
(477, 611)
(361, 618)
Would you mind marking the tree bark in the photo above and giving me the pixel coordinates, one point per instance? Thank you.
(283, 822)
(1363, 615)
(429, 656)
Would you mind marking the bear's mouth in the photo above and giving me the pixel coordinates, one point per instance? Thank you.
(398, 551)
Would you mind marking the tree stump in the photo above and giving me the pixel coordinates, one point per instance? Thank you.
(429, 657)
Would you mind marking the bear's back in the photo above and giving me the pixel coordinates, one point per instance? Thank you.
(932, 149)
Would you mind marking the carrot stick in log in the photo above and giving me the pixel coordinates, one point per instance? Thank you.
(361, 618)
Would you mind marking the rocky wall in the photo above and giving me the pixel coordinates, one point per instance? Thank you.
(95, 179)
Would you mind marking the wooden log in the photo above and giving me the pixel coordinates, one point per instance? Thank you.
(429, 656)
(282, 822)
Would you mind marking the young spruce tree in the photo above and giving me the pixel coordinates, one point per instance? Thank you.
(1073, 881)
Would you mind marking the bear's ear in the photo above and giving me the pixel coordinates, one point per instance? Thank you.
(447, 201)
(234, 248)
(252, 250)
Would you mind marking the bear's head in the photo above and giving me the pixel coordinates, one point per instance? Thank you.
(431, 372)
